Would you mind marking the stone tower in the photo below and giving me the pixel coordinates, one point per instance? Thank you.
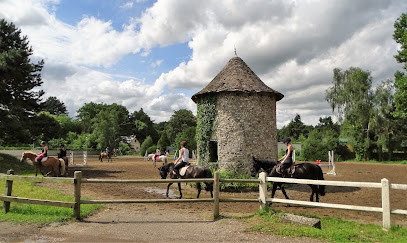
(236, 118)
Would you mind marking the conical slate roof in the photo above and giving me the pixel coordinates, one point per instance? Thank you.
(236, 76)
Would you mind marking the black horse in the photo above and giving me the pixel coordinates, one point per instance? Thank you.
(302, 171)
(195, 171)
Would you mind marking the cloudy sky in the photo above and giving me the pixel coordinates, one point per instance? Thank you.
(156, 54)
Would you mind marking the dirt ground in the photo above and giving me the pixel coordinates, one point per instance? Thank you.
(183, 222)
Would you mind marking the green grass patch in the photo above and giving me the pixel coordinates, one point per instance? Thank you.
(333, 229)
(30, 213)
(236, 186)
(8, 162)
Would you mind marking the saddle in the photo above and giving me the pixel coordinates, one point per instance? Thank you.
(290, 170)
(43, 160)
(183, 170)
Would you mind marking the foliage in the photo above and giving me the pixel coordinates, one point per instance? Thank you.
(294, 129)
(163, 142)
(351, 97)
(124, 149)
(206, 113)
(19, 82)
(187, 135)
(179, 121)
(148, 142)
(151, 149)
(143, 126)
(333, 229)
(45, 127)
(54, 106)
(400, 36)
(236, 186)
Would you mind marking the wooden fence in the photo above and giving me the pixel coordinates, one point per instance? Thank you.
(263, 199)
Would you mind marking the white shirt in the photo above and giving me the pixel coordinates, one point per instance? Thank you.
(185, 155)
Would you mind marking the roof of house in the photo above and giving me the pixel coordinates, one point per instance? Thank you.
(236, 76)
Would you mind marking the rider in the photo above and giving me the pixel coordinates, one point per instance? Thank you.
(287, 160)
(157, 153)
(62, 151)
(183, 157)
(44, 152)
(107, 151)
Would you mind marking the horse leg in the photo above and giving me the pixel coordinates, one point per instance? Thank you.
(314, 191)
(209, 187)
(199, 188)
(168, 188)
(283, 190)
(179, 189)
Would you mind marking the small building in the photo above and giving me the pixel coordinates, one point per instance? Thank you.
(236, 118)
(132, 142)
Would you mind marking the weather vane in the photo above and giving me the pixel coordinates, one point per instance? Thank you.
(235, 50)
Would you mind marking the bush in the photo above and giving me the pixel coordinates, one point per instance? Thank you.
(148, 142)
(124, 148)
(151, 149)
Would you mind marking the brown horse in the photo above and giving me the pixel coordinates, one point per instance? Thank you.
(105, 155)
(51, 163)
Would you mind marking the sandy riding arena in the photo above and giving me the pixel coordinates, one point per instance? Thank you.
(164, 222)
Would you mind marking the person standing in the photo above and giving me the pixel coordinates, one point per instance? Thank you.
(183, 158)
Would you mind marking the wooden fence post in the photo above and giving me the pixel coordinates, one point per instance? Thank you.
(77, 194)
(9, 188)
(263, 189)
(216, 195)
(386, 203)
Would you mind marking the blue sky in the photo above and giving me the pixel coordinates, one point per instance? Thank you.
(156, 54)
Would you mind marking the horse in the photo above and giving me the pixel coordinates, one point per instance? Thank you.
(54, 163)
(162, 158)
(195, 171)
(302, 171)
(150, 157)
(105, 155)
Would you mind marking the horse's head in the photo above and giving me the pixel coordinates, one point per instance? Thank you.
(27, 155)
(165, 169)
(255, 167)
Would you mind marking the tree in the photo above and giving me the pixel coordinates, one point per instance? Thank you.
(54, 106)
(400, 97)
(294, 129)
(86, 115)
(351, 98)
(179, 121)
(163, 142)
(143, 126)
(19, 102)
(148, 142)
(187, 135)
(45, 127)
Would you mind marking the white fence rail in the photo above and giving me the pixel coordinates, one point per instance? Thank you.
(385, 187)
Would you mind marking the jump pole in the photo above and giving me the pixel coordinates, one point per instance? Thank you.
(331, 163)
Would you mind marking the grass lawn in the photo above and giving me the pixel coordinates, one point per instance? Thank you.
(333, 229)
(30, 213)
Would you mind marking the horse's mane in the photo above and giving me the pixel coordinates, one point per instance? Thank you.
(265, 164)
(167, 166)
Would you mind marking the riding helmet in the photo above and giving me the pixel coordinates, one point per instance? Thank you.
(287, 140)
(43, 142)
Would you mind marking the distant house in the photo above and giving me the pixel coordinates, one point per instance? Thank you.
(132, 142)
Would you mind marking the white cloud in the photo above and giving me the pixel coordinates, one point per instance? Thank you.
(292, 46)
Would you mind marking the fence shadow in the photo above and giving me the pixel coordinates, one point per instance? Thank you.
(328, 189)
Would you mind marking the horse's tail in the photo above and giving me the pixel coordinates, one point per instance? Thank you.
(62, 164)
(321, 188)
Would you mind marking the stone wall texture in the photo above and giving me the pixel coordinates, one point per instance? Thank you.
(245, 126)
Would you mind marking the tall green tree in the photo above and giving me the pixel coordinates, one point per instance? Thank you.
(54, 106)
(351, 97)
(294, 129)
(400, 36)
(143, 126)
(179, 121)
(19, 100)
(86, 115)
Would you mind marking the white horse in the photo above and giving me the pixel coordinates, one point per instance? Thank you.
(150, 157)
(162, 158)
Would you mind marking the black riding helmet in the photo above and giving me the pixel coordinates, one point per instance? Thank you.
(287, 140)
(43, 142)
